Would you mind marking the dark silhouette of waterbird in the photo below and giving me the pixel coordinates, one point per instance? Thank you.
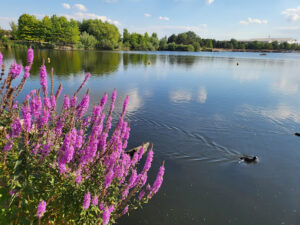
(249, 159)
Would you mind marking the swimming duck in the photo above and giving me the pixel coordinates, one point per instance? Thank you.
(249, 159)
(297, 134)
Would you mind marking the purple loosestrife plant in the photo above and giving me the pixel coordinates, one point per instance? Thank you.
(41, 209)
(30, 56)
(72, 158)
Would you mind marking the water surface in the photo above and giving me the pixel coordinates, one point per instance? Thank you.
(202, 112)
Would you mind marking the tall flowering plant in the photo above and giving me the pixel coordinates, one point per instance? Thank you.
(66, 166)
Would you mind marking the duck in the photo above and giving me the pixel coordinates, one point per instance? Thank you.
(237, 63)
(249, 159)
(297, 134)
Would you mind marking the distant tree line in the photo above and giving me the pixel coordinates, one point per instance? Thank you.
(94, 33)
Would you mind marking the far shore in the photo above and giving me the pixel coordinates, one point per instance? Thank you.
(69, 48)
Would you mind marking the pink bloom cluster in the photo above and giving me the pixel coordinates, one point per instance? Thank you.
(80, 143)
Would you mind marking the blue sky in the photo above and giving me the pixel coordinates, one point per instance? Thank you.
(219, 19)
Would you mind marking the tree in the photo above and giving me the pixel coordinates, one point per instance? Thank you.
(181, 38)
(210, 44)
(63, 31)
(172, 38)
(126, 38)
(234, 43)
(163, 44)
(172, 46)
(275, 45)
(196, 46)
(29, 28)
(46, 29)
(14, 30)
(87, 40)
(107, 34)
(154, 41)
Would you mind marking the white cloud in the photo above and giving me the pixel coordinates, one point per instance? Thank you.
(253, 21)
(80, 7)
(180, 96)
(66, 5)
(277, 114)
(164, 18)
(202, 95)
(147, 15)
(135, 100)
(209, 1)
(86, 15)
(292, 14)
(110, 1)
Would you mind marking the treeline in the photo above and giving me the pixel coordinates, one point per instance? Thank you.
(56, 30)
(60, 31)
(94, 33)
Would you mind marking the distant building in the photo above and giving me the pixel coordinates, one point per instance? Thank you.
(270, 40)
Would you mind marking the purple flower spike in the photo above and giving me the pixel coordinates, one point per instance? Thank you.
(141, 195)
(53, 102)
(108, 178)
(101, 206)
(26, 73)
(148, 161)
(15, 105)
(125, 104)
(86, 78)
(16, 127)
(86, 201)
(43, 77)
(8, 146)
(103, 100)
(73, 101)
(30, 55)
(78, 179)
(83, 106)
(41, 208)
(114, 96)
(15, 70)
(95, 200)
(1, 57)
(125, 210)
(106, 214)
(27, 118)
(66, 102)
(132, 179)
(158, 181)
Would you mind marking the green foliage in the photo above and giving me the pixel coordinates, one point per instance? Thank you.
(57, 30)
(196, 46)
(88, 41)
(65, 158)
(14, 31)
(63, 31)
(106, 34)
(29, 28)
(163, 44)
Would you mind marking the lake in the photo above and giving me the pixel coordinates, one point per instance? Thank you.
(202, 112)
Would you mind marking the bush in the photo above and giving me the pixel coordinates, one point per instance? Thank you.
(64, 166)
(88, 41)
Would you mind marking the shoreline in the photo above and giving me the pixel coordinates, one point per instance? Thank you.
(69, 48)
